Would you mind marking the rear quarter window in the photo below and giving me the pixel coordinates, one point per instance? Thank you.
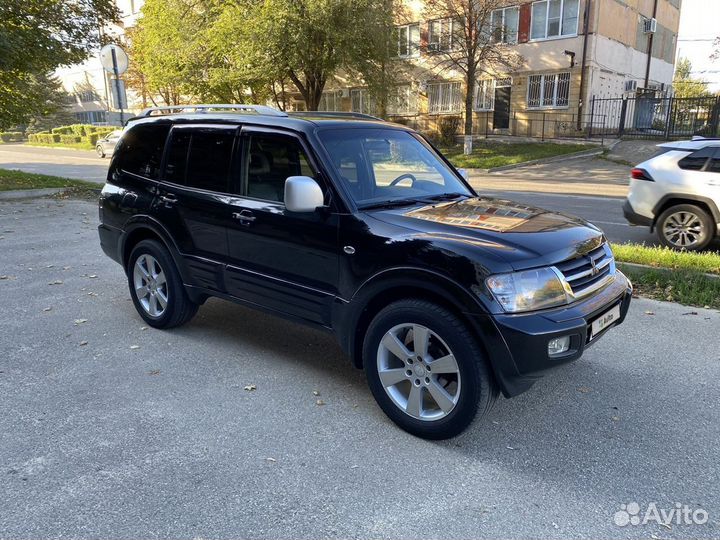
(141, 150)
(697, 160)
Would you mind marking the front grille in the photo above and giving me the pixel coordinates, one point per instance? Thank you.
(583, 276)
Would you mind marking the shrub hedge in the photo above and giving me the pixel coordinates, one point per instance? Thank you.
(12, 136)
(75, 135)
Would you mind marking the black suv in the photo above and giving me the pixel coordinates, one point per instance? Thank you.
(363, 229)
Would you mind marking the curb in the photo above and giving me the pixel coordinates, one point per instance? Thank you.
(553, 159)
(646, 268)
(29, 193)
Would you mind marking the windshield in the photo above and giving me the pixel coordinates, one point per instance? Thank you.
(382, 165)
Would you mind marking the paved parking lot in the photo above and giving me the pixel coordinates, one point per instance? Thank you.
(109, 429)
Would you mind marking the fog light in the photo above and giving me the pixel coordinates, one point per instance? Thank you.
(558, 345)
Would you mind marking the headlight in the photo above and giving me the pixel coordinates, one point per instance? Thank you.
(528, 290)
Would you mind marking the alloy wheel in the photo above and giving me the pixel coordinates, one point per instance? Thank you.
(418, 371)
(684, 229)
(150, 285)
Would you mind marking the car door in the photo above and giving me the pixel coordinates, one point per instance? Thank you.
(284, 261)
(193, 199)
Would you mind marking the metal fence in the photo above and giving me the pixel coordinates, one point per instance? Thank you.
(650, 117)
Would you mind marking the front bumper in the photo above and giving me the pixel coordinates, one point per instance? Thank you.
(518, 343)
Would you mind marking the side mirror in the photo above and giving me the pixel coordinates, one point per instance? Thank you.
(464, 174)
(302, 194)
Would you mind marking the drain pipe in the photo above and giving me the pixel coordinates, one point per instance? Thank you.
(650, 48)
(586, 25)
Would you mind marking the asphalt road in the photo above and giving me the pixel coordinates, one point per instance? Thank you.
(142, 433)
(80, 164)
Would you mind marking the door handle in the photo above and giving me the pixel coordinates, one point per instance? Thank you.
(168, 201)
(245, 217)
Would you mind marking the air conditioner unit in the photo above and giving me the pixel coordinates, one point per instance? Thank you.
(649, 26)
(630, 85)
(433, 47)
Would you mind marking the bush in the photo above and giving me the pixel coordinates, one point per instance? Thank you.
(448, 127)
(79, 130)
(69, 139)
(91, 139)
(64, 130)
(12, 136)
(44, 138)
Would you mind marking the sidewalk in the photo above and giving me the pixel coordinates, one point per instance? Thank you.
(591, 176)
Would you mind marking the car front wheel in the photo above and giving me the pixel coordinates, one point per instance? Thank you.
(426, 370)
(99, 150)
(156, 287)
(685, 227)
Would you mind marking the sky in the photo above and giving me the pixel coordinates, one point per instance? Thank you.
(699, 26)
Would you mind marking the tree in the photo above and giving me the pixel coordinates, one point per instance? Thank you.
(167, 51)
(472, 45)
(309, 41)
(684, 85)
(36, 37)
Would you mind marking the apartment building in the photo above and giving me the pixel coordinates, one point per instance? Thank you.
(571, 50)
(88, 85)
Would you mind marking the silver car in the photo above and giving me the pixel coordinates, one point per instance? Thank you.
(106, 146)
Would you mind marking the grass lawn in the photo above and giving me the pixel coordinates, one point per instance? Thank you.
(680, 275)
(487, 155)
(11, 180)
(707, 262)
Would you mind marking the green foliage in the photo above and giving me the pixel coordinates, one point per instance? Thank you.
(37, 36)
(662, 257)
(685, 85)
(10, 180)
(688, 287)
(486, 155)
(12, 136)
(72, 136)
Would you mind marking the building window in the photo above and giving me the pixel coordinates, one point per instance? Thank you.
(548, 91)
(91, 117)
(361, 101)
(86, 96)
(444, 97)
(444, 34)
(553, 18)
(485, 95)
(330, 101)
(408, 40)
(403, 100)
(504, 24)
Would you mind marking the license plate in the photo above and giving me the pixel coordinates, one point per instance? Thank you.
(604, 320)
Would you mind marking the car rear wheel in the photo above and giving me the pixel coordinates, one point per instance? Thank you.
(156, 286)
(426, 370)
(99, 150)
(685, 227)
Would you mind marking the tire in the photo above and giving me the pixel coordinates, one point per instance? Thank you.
(685, 227)
(100, 152)
(469, 392)
(165, 285)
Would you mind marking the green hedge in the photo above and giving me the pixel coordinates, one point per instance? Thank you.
(12, 136)
(82, 135)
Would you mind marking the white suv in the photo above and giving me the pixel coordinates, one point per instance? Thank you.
(677, 192)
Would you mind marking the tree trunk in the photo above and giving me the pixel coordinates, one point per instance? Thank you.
(469, 98)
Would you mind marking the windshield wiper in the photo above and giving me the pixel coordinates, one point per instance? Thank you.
(445, 196)
(390, 203)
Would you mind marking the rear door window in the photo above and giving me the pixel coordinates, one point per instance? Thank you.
(696, 161)
(141, 150)
(200, 157)
(714, 165)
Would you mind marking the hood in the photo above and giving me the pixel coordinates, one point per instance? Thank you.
(524, 236)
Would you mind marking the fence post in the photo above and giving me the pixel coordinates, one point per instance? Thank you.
(592, 117)
(542, 137)
(623, 112)
(714, 116)
(668, 116)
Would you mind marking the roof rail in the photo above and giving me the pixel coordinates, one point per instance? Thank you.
(204, 108)
(336, 114)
